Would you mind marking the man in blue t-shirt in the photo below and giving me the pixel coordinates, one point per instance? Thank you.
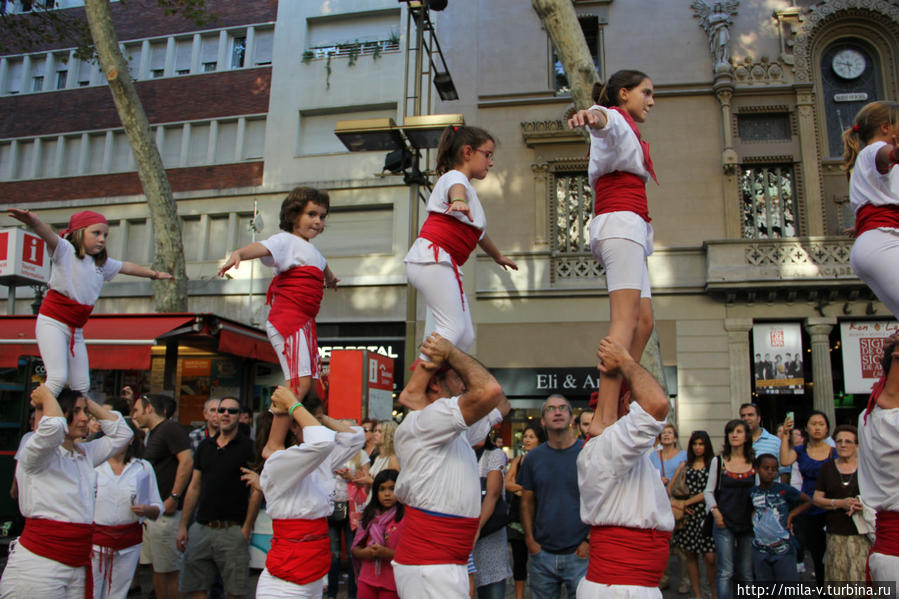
(774, 505)
(762, 440)
(550, 506)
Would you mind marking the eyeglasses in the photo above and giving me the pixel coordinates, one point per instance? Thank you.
(367, 430)
(562, 408)
(487, 155)
(229, 410)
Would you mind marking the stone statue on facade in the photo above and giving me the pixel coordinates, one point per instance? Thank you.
(716, 18)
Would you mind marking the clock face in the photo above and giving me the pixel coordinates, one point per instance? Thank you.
(849, 63)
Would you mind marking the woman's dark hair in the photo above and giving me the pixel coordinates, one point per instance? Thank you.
(845, 428)
(537, 429)
(66, 400)
(818, 413)
(119, 405)
(295, 202)
(707, 454)
(452, 140)
(371, 510)
(76, 238)
(607, 94)
(263, 429)
(748, 453)
(135, 448)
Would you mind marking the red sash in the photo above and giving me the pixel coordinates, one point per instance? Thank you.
(300, 551)
(621, 191)
(455, 237)
(886, 537)
(295, 296)
(68, 543)
(871, 217)
(112, 539)
(67, 311)
(432, 539)
(627, 556)
(644, 145)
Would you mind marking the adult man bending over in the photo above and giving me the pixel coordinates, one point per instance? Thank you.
(439, 482)
(622, 497)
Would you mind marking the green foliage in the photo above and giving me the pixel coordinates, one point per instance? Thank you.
(328, 73)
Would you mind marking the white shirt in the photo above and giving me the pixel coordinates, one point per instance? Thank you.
(618, 484)
(289, 250)
(867, 185)
(116, 493)
(615, 147)
(298, 481)
(57, 484)
(439, 202)
(79, 279)
(878, 460)
(440, 470)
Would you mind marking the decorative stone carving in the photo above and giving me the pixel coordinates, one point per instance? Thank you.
(715, 18)
(762, 71)
(816, 15)
(549, 132)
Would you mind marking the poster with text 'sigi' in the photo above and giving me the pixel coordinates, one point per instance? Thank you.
(777, 368)
(863, 343)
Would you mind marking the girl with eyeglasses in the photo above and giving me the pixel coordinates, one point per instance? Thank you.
(456, 224)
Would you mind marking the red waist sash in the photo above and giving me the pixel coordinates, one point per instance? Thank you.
(112, 539)
(621, 191)
(627, 556)
(429, 539)
(295, 296)
(300, 551)
(66, 310)
(455, 237)
(68, 543)
(886, 531)
(871, 217)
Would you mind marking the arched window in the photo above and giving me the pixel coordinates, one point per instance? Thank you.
(850, 78)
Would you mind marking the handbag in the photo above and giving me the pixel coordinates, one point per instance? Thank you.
(679, 488)
(500, 516)
(708, 525)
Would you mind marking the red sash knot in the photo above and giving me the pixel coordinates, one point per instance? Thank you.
(300, 551)
(872, 217)
(644, 145)
(621, 555)
(68, 543)
(67, 311)
(453, 236)
(430, 538)
(886, 537)
(295, 296)
(115, 538)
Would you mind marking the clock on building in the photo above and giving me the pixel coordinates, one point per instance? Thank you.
(849, 63)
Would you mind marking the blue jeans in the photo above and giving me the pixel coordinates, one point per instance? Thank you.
(770, 568)
(547, 573)
(494, 590)
(734, 552)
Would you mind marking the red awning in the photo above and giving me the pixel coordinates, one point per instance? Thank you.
(114, 341)
(242, 341)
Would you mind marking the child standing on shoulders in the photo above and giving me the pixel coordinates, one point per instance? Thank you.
(456, 223)
(775, 506)
(80, 267)
(871, 150)
(376, 539)
(620, 234)
(295, 293)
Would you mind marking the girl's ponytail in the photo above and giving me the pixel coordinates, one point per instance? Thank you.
(867, 122)
(607, 94)
(452, 140)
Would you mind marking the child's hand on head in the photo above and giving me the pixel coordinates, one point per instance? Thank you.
(460, 206)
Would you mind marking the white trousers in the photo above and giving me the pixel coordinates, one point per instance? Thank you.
(452, 313)
(595, 590)
(272, 587)
(439, 581)
(625, 263)
(884, 568)
(53, 339)
(28, 575)
(304, 361)
(874, 257)
(124, 563)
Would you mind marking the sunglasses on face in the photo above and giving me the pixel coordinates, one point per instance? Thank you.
(229, 410)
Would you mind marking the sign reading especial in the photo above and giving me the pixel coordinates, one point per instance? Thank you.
(542, 382)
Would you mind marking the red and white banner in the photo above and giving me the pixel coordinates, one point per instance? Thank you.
(862, 343)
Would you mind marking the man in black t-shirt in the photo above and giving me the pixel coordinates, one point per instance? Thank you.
(226, 510)
(168, 450)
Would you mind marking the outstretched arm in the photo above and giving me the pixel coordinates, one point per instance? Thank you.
(591, 118)
(247, 252)
(37, 225)
(492, 251)
(136, 270)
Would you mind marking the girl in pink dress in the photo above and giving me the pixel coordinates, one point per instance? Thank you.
(377, 538)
